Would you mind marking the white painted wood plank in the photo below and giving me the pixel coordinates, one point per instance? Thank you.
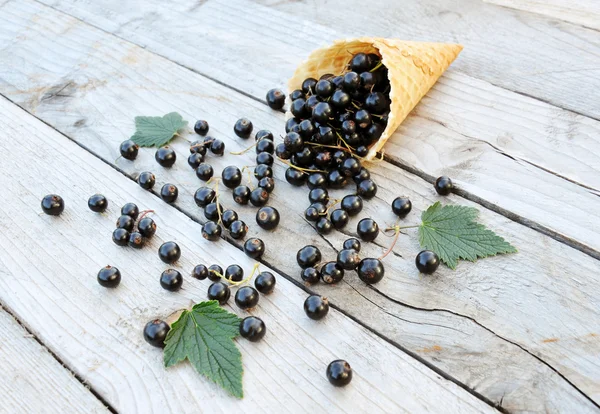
(105, 83)
(53, 266)
(480, 123)
(582, 12)
(32, 380)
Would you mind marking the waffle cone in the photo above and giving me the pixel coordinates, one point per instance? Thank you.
(413, 68)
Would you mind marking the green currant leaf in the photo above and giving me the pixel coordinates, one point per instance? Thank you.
(452, 233)
(156, 131)
(204, 335)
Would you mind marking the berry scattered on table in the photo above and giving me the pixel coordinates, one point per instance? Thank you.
(215, 272)
(265, 282)
(316, 307)
(427, 261)
(146, 180)
(443, 185)
(243, 128)
(147, 227)
(308, 256)
(171, 280)
(169, 193)
(267, 217)
(275, 99)
(129, 150)
(254, 248)
(97, 203)
(219, 291)
(252, 328)
(155, 332)
(370, 270)
(332, 273)
(169, 252)
(246, 297)
(200, 272)
(120, 237)
(211, 231)
(352, 243)
(339, 373)
(125, 222)
(204, 171)
(136, 240)
(201, 127)
(195, 159)
(234, 273)
(109, 277)
(367, 229)
(53, 205)
(238, 229)
(310, 275)
(165, 157)
(131, 210)
(231, 176)
(348, 259)
(401, 206)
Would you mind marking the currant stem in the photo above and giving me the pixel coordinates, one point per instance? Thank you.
(377, 66)
(241, 282)
(300, 168)
(245, 150)
(144, 212)
(392, 245)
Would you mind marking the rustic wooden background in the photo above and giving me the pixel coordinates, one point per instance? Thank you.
(515, 122)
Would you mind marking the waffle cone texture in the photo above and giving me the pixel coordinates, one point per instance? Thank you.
(413, 68)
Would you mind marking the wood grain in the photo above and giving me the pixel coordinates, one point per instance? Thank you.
(585, 13)
(490, 140)
(486, 324)
(98, 331)
(33, 381)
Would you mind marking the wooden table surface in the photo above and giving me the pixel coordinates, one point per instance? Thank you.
(515, 122)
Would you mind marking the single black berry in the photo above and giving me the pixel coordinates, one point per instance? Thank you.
(401, 206)
(308, 256)
(231, 176)
(169, 252)
(293, 141)
(367, 229)
(265, 282)
(169, 193)
(339, 218)
(219, 291)
(362, 118)
(324, 226)
(316, 307)
(352, 204)
(155, 332)
(295, 176)
(200, 272)
(307, 129)
(238, 229)
(125, 222)
(246, 297)
(130, 209)
(339, 373)
(263, 134)
(298, 109)
(340, 100)
(332, 273)
(310, 275)
(324, 88)
(217, 147)
(350, 167)
(213, 211)
(259, 197)
(201, 127)
(129, 150)
(370, 270)
(97, 203)
(241, 194)
(311, 102)
(146, 180)
(264, 158)
(252, 328)
(53, 204)
(308, 86)
(362, 151)
(243, 128)
(318, 195)
(267, 217)
(136, 240)
(147, 227)
(316, 180)
(262, 171)
(267, 184)
(171, 280)
(165, 156)
(275, 99)
(427, 261)
(199, 147)
(204, 196)
(443, 185)
(254, 248)
(265, 145)
(366, 189)
(352, 243)
(109, 277)
(204, 171)
(211, 231)
(362, 175)
(195, 159)
(120, 237)
(322, 113)
(348, 259)
(234, 272)
(228, 217)
(215, 272)
(376, 103)
(361, 62)
(282, 152)
(336, 180)
(351, 82)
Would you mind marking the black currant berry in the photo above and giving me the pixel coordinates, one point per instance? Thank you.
(195, 159)
(315, 211)
(198, 147)
(324, 226)
(316, 307)
(348, 259)
(231, 176)
(155, 333)
(200, 272)
(254, 248)
(282, 152)
(147, 227)
(401, 206)
(324, 88)
(348, 127)
(109, 277)
(238, 229)
(125, 222)
(372, 133)
(370, 270)
(307, 129)
(362, 151)
(353, 244)
(217, 147)
(443, 185)
(339, 218)
(243, 128)
(263, 134)
(169, 252)
(295, 176)
(275, 99)
(130, 209)
(169, 193)
(311, 102)
(336, 180)
(120, 237)
(267, 217)
(298, 108)
(204, 196)
(234, 273)
(367, 229)
(136, 240)
(252, 328)
(201, 127)
(53, 204)
(262, 171)
(171, 280)
(241, 194)
(376, 103)
(228, 217)
(308, 256)
(361, 62)
(427, 261)
(316, 180)
(204, 171)
(340, 100)
(366, 189)
(246, 297)
(362, 118)
(362, 175)
(213, 211)
(97, 203)
(146, 180)
(219, 291)
(293, 141)
(351, 82)
(265, 145)
(165, 156)
(264, 158)
(215, 272)
(308, 86)
(291, 123)
(129, 150)
(265, 282)
(310, 275)
(267, 184)
(211, 231)
(339, 373)
(352, 204)
(259, 197)
(318, 195)
(350, 167)
(322, 113)
(332, 273)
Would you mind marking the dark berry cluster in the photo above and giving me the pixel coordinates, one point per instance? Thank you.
(132, 229)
